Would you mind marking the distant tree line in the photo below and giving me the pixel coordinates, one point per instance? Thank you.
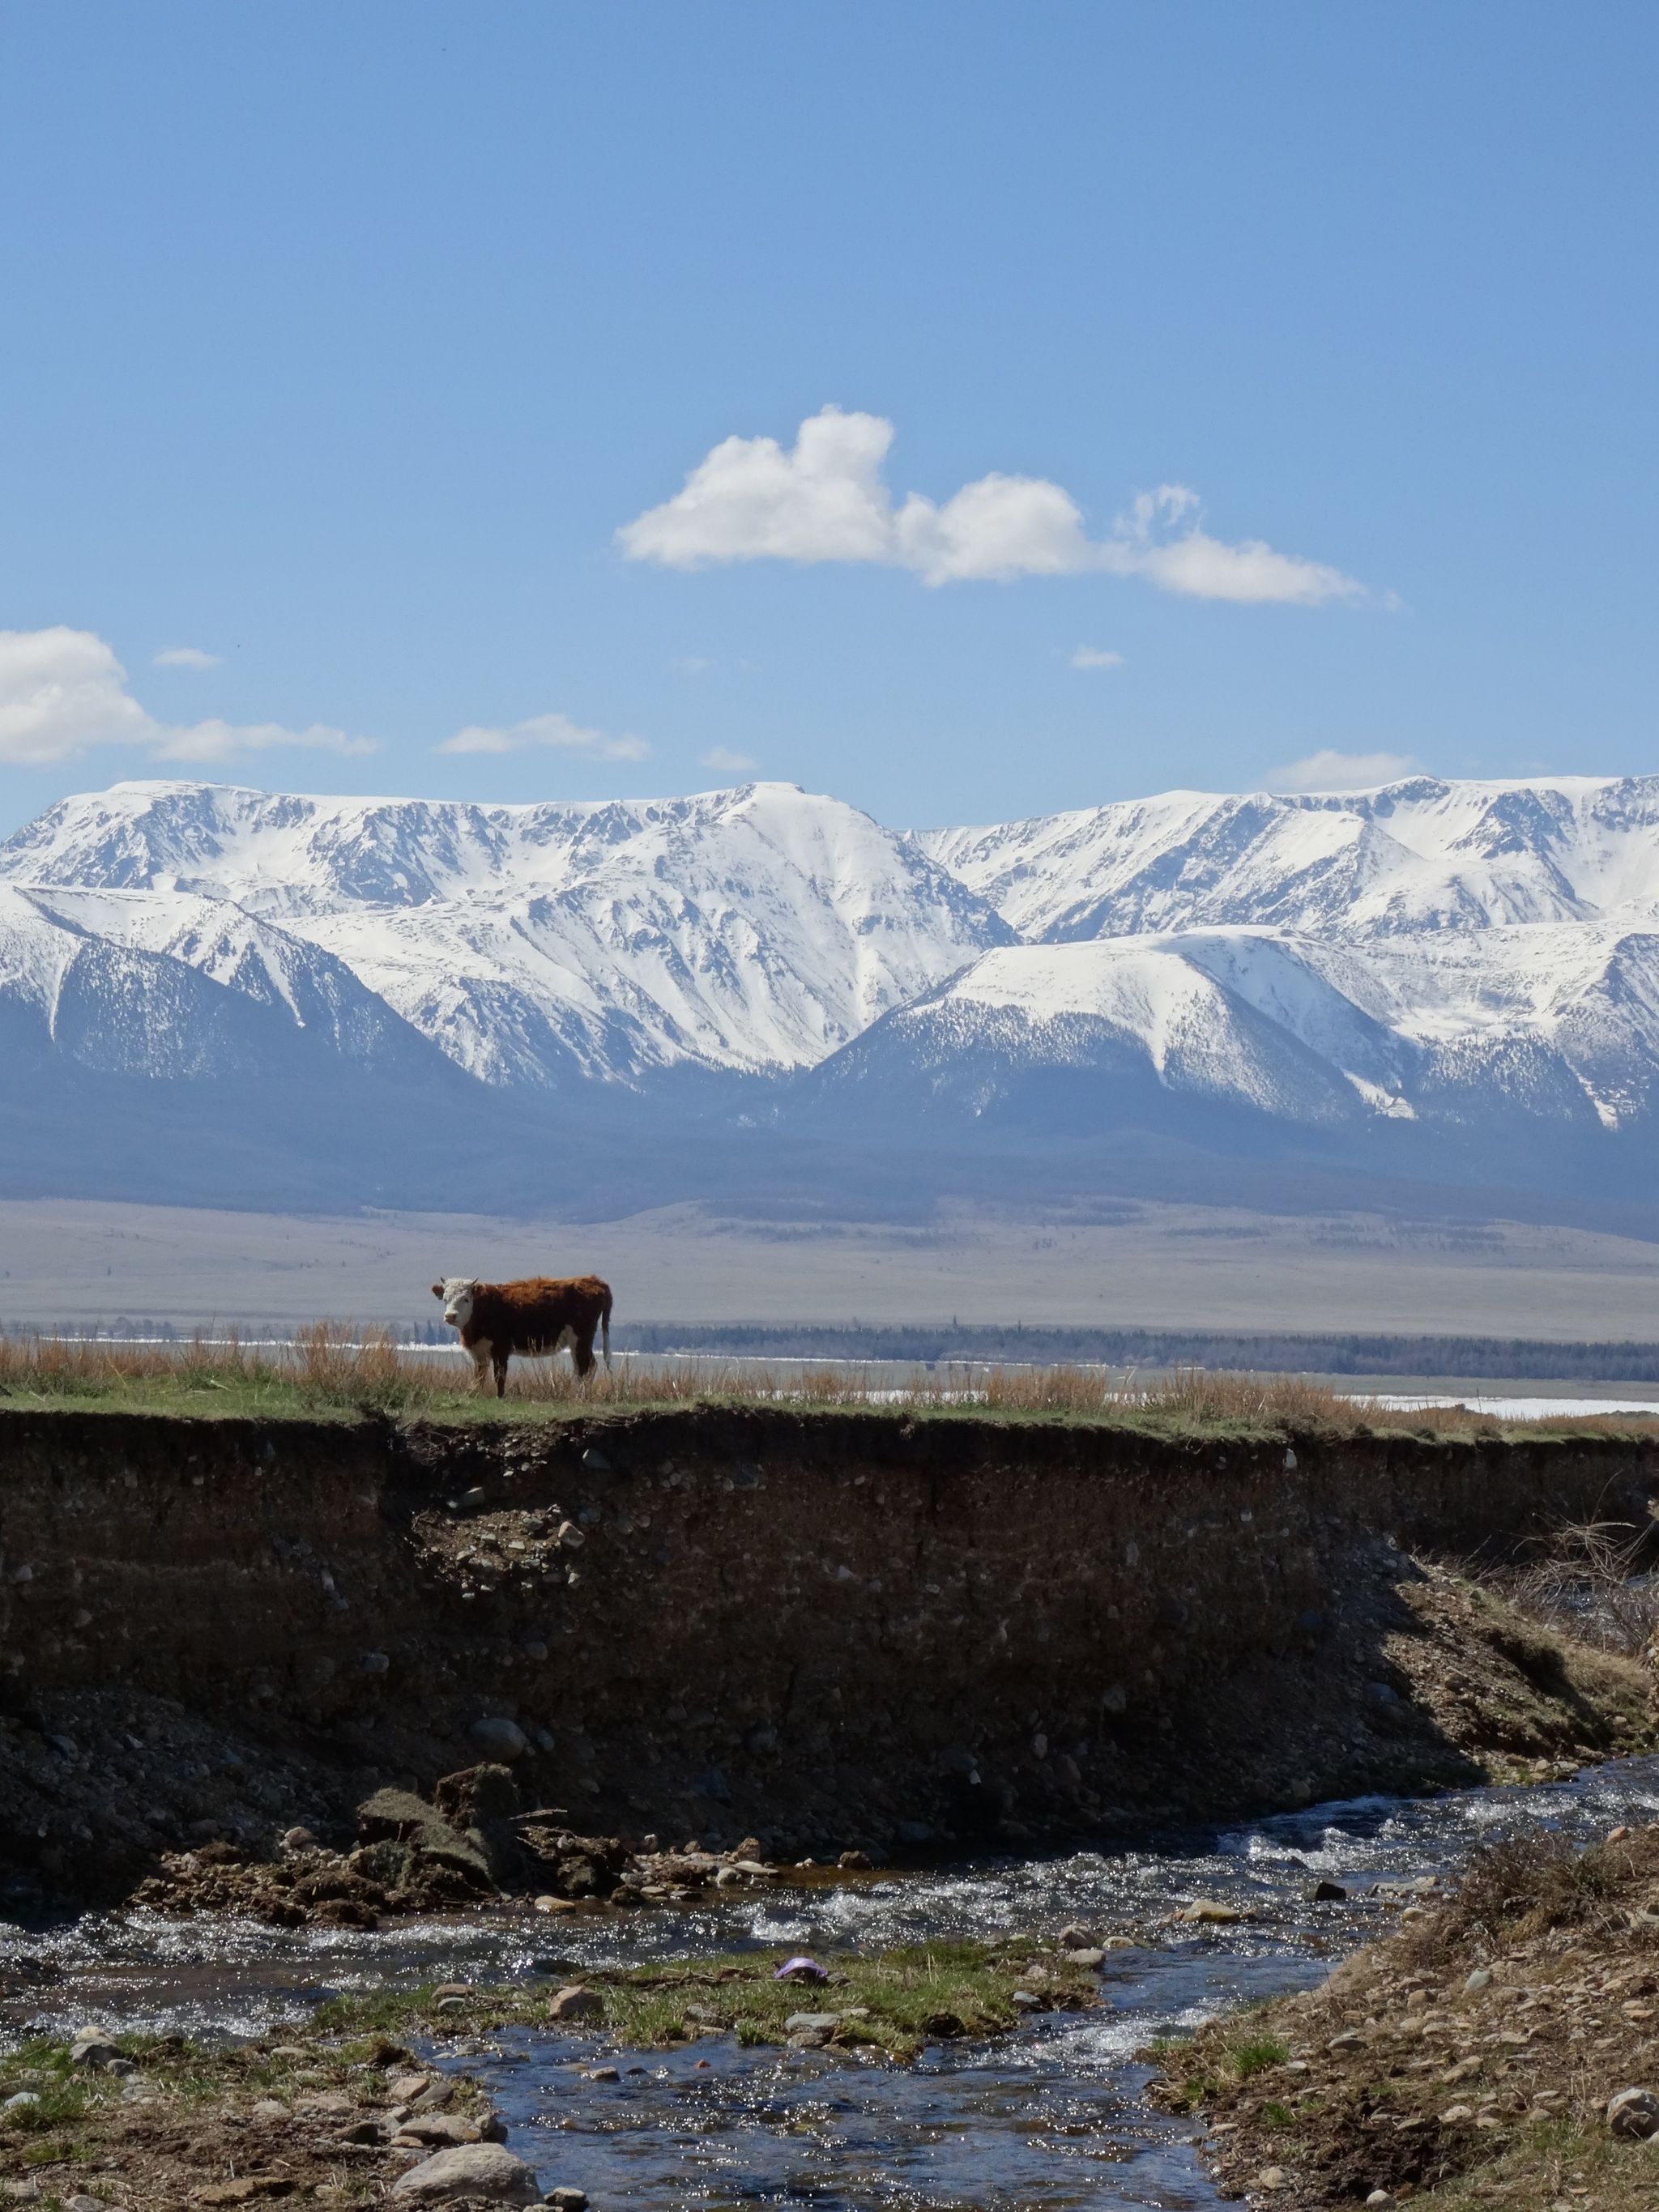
(1278, 1353)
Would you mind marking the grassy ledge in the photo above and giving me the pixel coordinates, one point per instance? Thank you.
(333, 1371)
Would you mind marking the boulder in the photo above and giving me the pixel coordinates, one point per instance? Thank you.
(470, 2170)
(436, 2130)
(1633, 2114)
(576, 2001)
(499, 1738)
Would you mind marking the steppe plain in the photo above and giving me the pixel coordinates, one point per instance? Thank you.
(1132, 1264)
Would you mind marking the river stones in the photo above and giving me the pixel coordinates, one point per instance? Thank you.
(438, 2129)
(576, 2001)
(470, 2170)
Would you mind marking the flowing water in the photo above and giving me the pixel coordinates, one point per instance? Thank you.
(1051, 2117)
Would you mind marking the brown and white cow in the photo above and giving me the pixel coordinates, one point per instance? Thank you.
(537, 1315)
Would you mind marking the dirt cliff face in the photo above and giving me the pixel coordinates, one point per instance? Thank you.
(823, 1628)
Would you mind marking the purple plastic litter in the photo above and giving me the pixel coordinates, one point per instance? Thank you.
(801, 1970)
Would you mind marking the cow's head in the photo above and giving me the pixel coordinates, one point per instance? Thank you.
(456, 1292)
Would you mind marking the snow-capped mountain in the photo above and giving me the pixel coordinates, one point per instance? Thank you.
(1458, 952)
(1425, 965)
(1555, 1027)
(1417, 855)
(752, 930)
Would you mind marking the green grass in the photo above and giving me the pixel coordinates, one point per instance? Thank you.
(276, 1399)
(1255, 2056)
(897, 1998)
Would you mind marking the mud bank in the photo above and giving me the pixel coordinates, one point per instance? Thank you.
(822, 1629)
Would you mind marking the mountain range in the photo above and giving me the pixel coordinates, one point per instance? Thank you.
(267, 999)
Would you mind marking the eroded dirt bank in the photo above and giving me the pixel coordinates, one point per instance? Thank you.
(814, 1629)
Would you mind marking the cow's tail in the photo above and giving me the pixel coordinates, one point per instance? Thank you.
(605, 1330)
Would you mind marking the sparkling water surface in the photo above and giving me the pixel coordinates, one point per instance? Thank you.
(1049, 2117)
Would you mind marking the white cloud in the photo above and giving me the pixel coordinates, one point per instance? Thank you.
(557, 732)
(728, 762)
(825, 499)
(1162, 538)
(186, 656)
(1092, 656)
(62, 691)
(1328, 770)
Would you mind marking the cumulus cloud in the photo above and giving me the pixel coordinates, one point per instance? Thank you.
(186, 656)
(1329, 770)
(825, 498)
(555, 731)
(62, 691)
(1092, 656)
(728, 762)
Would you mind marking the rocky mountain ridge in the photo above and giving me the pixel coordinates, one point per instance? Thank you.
(1472, 958)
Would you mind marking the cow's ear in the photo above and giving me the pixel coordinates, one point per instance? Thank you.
(437, 1290)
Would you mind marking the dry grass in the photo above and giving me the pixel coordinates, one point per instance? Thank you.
(1592, 1580)
(338, 1365)
(1521, 1886)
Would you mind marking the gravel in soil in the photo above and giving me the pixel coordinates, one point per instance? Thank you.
(1470, 2058)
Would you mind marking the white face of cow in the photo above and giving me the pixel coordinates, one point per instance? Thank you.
(457, 1293)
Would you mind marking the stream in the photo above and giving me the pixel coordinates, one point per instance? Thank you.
(1050, 2116)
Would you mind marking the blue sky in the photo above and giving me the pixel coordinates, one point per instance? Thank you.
(344, 342)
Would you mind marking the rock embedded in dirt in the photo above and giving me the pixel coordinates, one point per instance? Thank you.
(483, 2171)
(567, 2200)
(497, 1737)
(1633, 2114)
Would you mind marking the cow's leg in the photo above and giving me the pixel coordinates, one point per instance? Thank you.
(480, 1353)
(582, 1353)
(501, 1358)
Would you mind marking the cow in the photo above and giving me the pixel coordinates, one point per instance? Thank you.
(536, 1315)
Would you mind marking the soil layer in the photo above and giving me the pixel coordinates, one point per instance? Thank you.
(813, 1631)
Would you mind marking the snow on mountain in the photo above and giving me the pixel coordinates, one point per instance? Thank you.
(1555, 1026)
(1134, 1015)
(1420, 855)
(755, 929)
(187, 989)
(1449, 950)
(1425, 956)
(302, 984)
